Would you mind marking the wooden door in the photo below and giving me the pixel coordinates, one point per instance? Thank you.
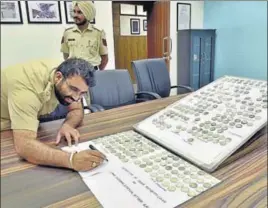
(127, 48)
(158, 33)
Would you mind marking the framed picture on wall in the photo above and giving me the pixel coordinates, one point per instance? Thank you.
(183, 16)
(144, 25)
(43, 12)
(134, 26)
(11, 12)
(127, 9)
(68, 7)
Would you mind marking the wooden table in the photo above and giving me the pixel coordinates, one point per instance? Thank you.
(244, 174)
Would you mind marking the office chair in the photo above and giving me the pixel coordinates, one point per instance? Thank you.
(152, 75)
(61, 112)
(114, 89)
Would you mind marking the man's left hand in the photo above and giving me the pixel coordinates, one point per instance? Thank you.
(69, 133)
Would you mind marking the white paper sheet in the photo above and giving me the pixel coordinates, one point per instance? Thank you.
(121, 185)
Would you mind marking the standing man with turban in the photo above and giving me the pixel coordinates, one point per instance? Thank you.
(84, 40)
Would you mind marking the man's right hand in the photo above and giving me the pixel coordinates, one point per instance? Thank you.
(87, 160)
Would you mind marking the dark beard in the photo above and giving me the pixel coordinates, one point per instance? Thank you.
(60, 97)
(82, 23)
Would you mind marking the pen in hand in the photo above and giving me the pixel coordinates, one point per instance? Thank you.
(94, 148)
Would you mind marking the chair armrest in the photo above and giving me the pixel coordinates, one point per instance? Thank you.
(51, 118)
(100, 108)
(183, 86)
(94, 108)
(152, 94)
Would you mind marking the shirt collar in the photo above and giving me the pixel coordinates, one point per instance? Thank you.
(90, 28)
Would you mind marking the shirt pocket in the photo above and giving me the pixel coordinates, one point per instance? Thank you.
(93, 45)
(72, 44)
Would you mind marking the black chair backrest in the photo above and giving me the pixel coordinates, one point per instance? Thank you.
(152, 75)
(113, 89)
(59, 113)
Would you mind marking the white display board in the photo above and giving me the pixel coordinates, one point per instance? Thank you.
(211, 123)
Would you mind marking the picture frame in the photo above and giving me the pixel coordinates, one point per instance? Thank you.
(68, 5)
(183, 16)
(11, 12)
(144, 25)
(43, 12)
(134, 26)
(140, 12)
(127, 9)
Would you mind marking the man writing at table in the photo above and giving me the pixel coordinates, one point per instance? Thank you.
(33, 89)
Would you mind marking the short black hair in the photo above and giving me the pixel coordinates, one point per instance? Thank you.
(77, 66)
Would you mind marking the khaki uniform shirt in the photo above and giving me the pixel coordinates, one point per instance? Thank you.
(88, 45)
(27, 92)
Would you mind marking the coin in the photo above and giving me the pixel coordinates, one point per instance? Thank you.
(137, 162)
(200, 180)
(181, 168)
(159, 179)
(193, 185)
(168, 167)
(184, 189)
(191, 194)
(143, 165)
(166, 184)
(172, 188)
(154, 174)
(174, 171)
(186, 180)
(155, 167)
(148, 169)
(167, 175)
(207, 185)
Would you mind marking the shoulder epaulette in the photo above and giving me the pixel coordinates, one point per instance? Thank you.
(96, 28)
(69, 28)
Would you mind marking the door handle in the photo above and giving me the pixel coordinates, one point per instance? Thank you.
(170, 49)
(164, 52)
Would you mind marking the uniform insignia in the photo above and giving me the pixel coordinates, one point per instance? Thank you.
(104, 42)
(96, 28)
(69, 28)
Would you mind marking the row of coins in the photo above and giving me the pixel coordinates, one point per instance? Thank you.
(170, 114)
(204, 135)
(207, 99)
(127, 146)
(161, 124)
(234, 122)
(201, 108)
(175, 174)
(245, 82)
(185, 109)
(210, 126)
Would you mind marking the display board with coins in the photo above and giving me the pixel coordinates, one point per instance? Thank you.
(167, 170)
(209, 124)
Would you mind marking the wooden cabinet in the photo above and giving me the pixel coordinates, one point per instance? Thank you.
(195, 57)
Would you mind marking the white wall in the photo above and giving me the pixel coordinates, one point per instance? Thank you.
(197, 14)
(31, 41)
(125, 29)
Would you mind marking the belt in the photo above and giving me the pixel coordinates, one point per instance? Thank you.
(96, 68)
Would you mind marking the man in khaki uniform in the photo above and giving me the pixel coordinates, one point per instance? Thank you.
(84, 40)
(33, 89)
